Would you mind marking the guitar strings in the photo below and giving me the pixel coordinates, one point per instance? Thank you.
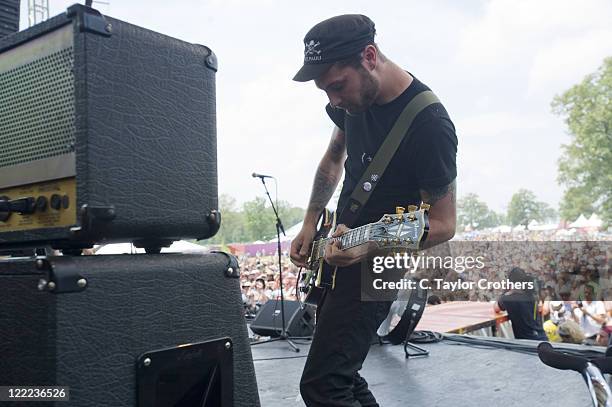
(350, 239)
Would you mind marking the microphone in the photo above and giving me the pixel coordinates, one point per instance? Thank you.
(256, 175)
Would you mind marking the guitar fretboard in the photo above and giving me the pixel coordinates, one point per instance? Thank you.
(352, 238)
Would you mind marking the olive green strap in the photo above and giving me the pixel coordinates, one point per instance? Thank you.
(386, 151)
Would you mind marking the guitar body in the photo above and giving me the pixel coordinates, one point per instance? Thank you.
(313, 295)
(325, 275)
(316, 281)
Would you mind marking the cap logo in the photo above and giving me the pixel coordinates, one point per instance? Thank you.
(311, 53)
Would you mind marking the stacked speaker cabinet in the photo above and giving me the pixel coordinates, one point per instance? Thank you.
(107, 133)
(127, 330)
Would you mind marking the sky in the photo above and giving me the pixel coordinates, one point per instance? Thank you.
(496, 65)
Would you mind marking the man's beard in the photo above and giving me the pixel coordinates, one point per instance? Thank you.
(367, 95)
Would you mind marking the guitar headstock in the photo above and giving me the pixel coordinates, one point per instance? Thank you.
(404, 229)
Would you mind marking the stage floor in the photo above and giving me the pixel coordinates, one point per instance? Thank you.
(452, 375)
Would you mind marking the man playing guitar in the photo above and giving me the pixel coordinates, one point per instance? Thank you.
(367, 92)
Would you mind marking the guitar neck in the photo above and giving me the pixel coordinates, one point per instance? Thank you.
(352, 238)
(401, 230)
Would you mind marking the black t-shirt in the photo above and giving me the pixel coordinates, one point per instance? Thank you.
(427, 159)
(522, 311)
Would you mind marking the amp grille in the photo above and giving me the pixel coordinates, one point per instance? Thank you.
(37, 109)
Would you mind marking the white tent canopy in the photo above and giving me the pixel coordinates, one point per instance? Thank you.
(294, 230)
(502, 229)
(535, 225)
(546, 226)
(594, 221)
(581, 222)
(180, 246)
(290, 233)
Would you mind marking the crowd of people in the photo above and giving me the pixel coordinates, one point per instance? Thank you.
(535, 235)
(556, 266)
(570, 275)
(260, 281)
(540, 316)
(582, 321)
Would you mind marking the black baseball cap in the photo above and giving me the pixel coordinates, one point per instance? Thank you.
(518, 275)
(332, 40)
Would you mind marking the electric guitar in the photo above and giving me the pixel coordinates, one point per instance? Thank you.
(402, 230)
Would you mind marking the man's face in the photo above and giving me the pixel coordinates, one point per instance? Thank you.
(349, 88)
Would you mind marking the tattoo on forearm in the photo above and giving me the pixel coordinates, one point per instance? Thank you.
(433, 195)
(322, 190)
(327, 177)
(440, 232)
(337, 148)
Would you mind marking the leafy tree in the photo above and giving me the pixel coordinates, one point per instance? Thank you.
(494, 219)
(548, 213)
(260, 220)
(260, 223)
(525, 207)
(475, 214)
(232, 222)
(290, 215)
(576, 201)
(585, 166)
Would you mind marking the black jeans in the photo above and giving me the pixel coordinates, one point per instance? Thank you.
(346, 327)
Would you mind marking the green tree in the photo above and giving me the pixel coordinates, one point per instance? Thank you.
(260, 220)
(475, 214)
(525, 207)
(290, 215)
(576, 201)
(494, 219)
(253, 221)
(232, 223)
(585, 166)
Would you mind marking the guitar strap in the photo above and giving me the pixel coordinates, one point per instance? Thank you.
(401, 130)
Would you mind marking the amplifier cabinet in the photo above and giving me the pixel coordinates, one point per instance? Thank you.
(89, 336)
(107, 133)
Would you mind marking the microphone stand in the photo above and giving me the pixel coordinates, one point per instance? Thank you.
(279, 227)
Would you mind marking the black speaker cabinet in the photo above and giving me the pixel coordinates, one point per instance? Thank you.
(107, 133)
(299, 321)
(127, 330)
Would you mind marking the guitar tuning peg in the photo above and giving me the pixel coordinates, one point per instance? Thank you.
(399, 210)
(425, 206)
(412, 208)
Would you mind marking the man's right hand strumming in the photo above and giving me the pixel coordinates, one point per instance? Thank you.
(300, 246)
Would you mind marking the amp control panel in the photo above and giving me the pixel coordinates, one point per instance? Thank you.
(49, 204)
